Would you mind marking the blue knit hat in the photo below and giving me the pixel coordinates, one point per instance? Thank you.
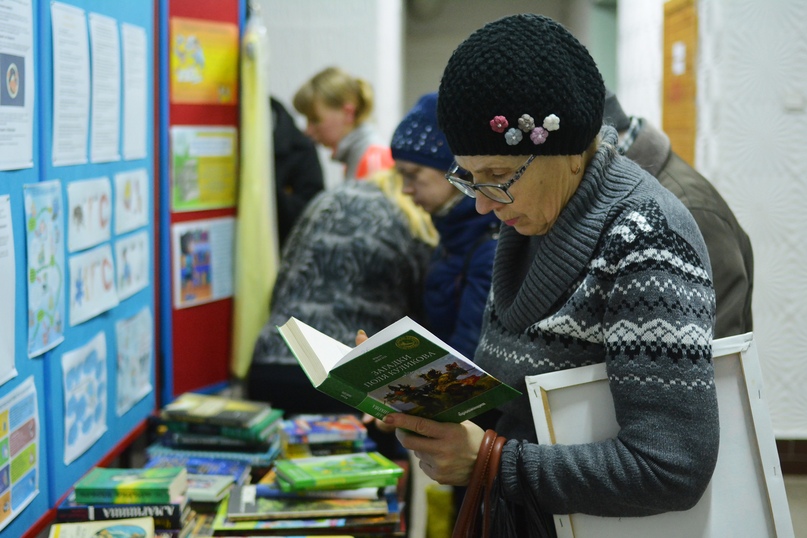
(418, 139)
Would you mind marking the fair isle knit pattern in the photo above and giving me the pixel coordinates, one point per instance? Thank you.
(621, 278)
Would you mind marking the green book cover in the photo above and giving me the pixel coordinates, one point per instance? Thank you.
(220, 410)
(139, 485)
(258, 432)
(403, 368)
(250, 503)
(340, 471)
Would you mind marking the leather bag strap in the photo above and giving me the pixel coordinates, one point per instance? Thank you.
(482, 476)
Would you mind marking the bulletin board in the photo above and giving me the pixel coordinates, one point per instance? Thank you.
(199, 115)
(80, 201)
(575, 406)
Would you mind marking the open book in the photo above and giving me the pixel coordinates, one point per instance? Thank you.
(403, 368)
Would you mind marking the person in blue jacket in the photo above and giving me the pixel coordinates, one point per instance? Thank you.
(459, 274)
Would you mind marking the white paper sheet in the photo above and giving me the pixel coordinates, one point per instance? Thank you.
(202, 261)
(135, 345)
(92, 284)
(84, 377)
(89, 213)
(135, 78)
(132, 263)
(16, 85)
(132, 197)
(8, 301)
(71, 84)
(106, 71)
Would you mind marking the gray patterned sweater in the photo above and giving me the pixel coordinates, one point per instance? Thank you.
(622, 278)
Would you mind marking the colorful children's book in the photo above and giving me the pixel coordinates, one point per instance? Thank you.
(321, 428)
(220, 410)
(239, 470)
(403, 368)
(380, 525)
(259, 432)
(202, 441)
(247, 503)
(208, 487)
(305, 450)
(140, 527)
(255, 459)
(171, 515)
(342, 471)
(139, 485)
(268, 486)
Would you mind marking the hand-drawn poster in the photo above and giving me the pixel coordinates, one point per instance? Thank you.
(16, 85)
(203, 167)
(204, 62)
(45, 272)
(85, 396)
(8, 291)
(106, 68)
(131, 200)
(202, 261)
(92, 284)
(19, 450)
(135, 92)
(132, 264)
(135, 356)
(89, 215)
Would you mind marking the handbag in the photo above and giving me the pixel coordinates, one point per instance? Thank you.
(484, 508)
(474, 518)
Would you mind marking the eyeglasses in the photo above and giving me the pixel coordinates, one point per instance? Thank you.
(498, 192)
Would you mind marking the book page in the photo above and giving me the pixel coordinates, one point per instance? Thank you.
(317, 352)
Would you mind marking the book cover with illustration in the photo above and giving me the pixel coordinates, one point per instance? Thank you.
(208, 487)
(138, 485)
(268, 486)
(323, 428)
(212, 409)
(171, 515)
(255, 459)
(403, 368)
(140, 527)
(250, 502)
(341, 471)
(239, 470)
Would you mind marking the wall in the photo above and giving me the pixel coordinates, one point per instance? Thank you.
(752, 96)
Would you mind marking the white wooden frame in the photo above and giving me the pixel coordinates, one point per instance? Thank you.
(746, 496)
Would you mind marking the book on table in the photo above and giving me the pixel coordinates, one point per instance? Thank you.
(170, 515)
(138, 485)
(256, 502)
(219, 410)
(208, 487)
(268, 486)
(312, 428)
(402, 368)
(341, 471)
(254, 458)
(239, 470)
(202, 441)
(140, 527)
(259, 432)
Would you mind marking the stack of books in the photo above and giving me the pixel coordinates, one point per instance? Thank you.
(309, 435)
(106, 495)
(210, 426)
(353, 494)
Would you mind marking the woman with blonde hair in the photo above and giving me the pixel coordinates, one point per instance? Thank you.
(338, 107)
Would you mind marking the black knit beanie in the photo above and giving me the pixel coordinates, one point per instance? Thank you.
(520, 85)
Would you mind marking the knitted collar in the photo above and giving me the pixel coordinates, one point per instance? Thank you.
(564, 252)
(361, 137)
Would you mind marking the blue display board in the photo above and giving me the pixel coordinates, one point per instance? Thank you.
(100, 206)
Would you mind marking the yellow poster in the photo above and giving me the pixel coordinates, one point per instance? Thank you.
(204, 167)
(204, 62)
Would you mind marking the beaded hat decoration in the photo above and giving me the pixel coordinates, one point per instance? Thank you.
(520, 85)
(417, 138)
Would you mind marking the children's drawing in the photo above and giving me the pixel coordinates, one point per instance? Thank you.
(90, 203)
(132, 264)
(135, 357)
(92, 284)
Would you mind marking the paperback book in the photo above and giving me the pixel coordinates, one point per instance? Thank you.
(248, 503)
(208, 487)
(141, 527)
(239, 470)
(268, 486)
(257, 433)
(255, 459)
(321, 428)
(139, 485)
(341, 471)
(170, 515)
(202, 441)
(403, 368)
(219, 410)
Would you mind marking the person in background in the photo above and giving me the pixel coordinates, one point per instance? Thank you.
(596, 263)
(356, 257)
(338, 108)
(298, 173)
(458, 278)
(730, 252)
